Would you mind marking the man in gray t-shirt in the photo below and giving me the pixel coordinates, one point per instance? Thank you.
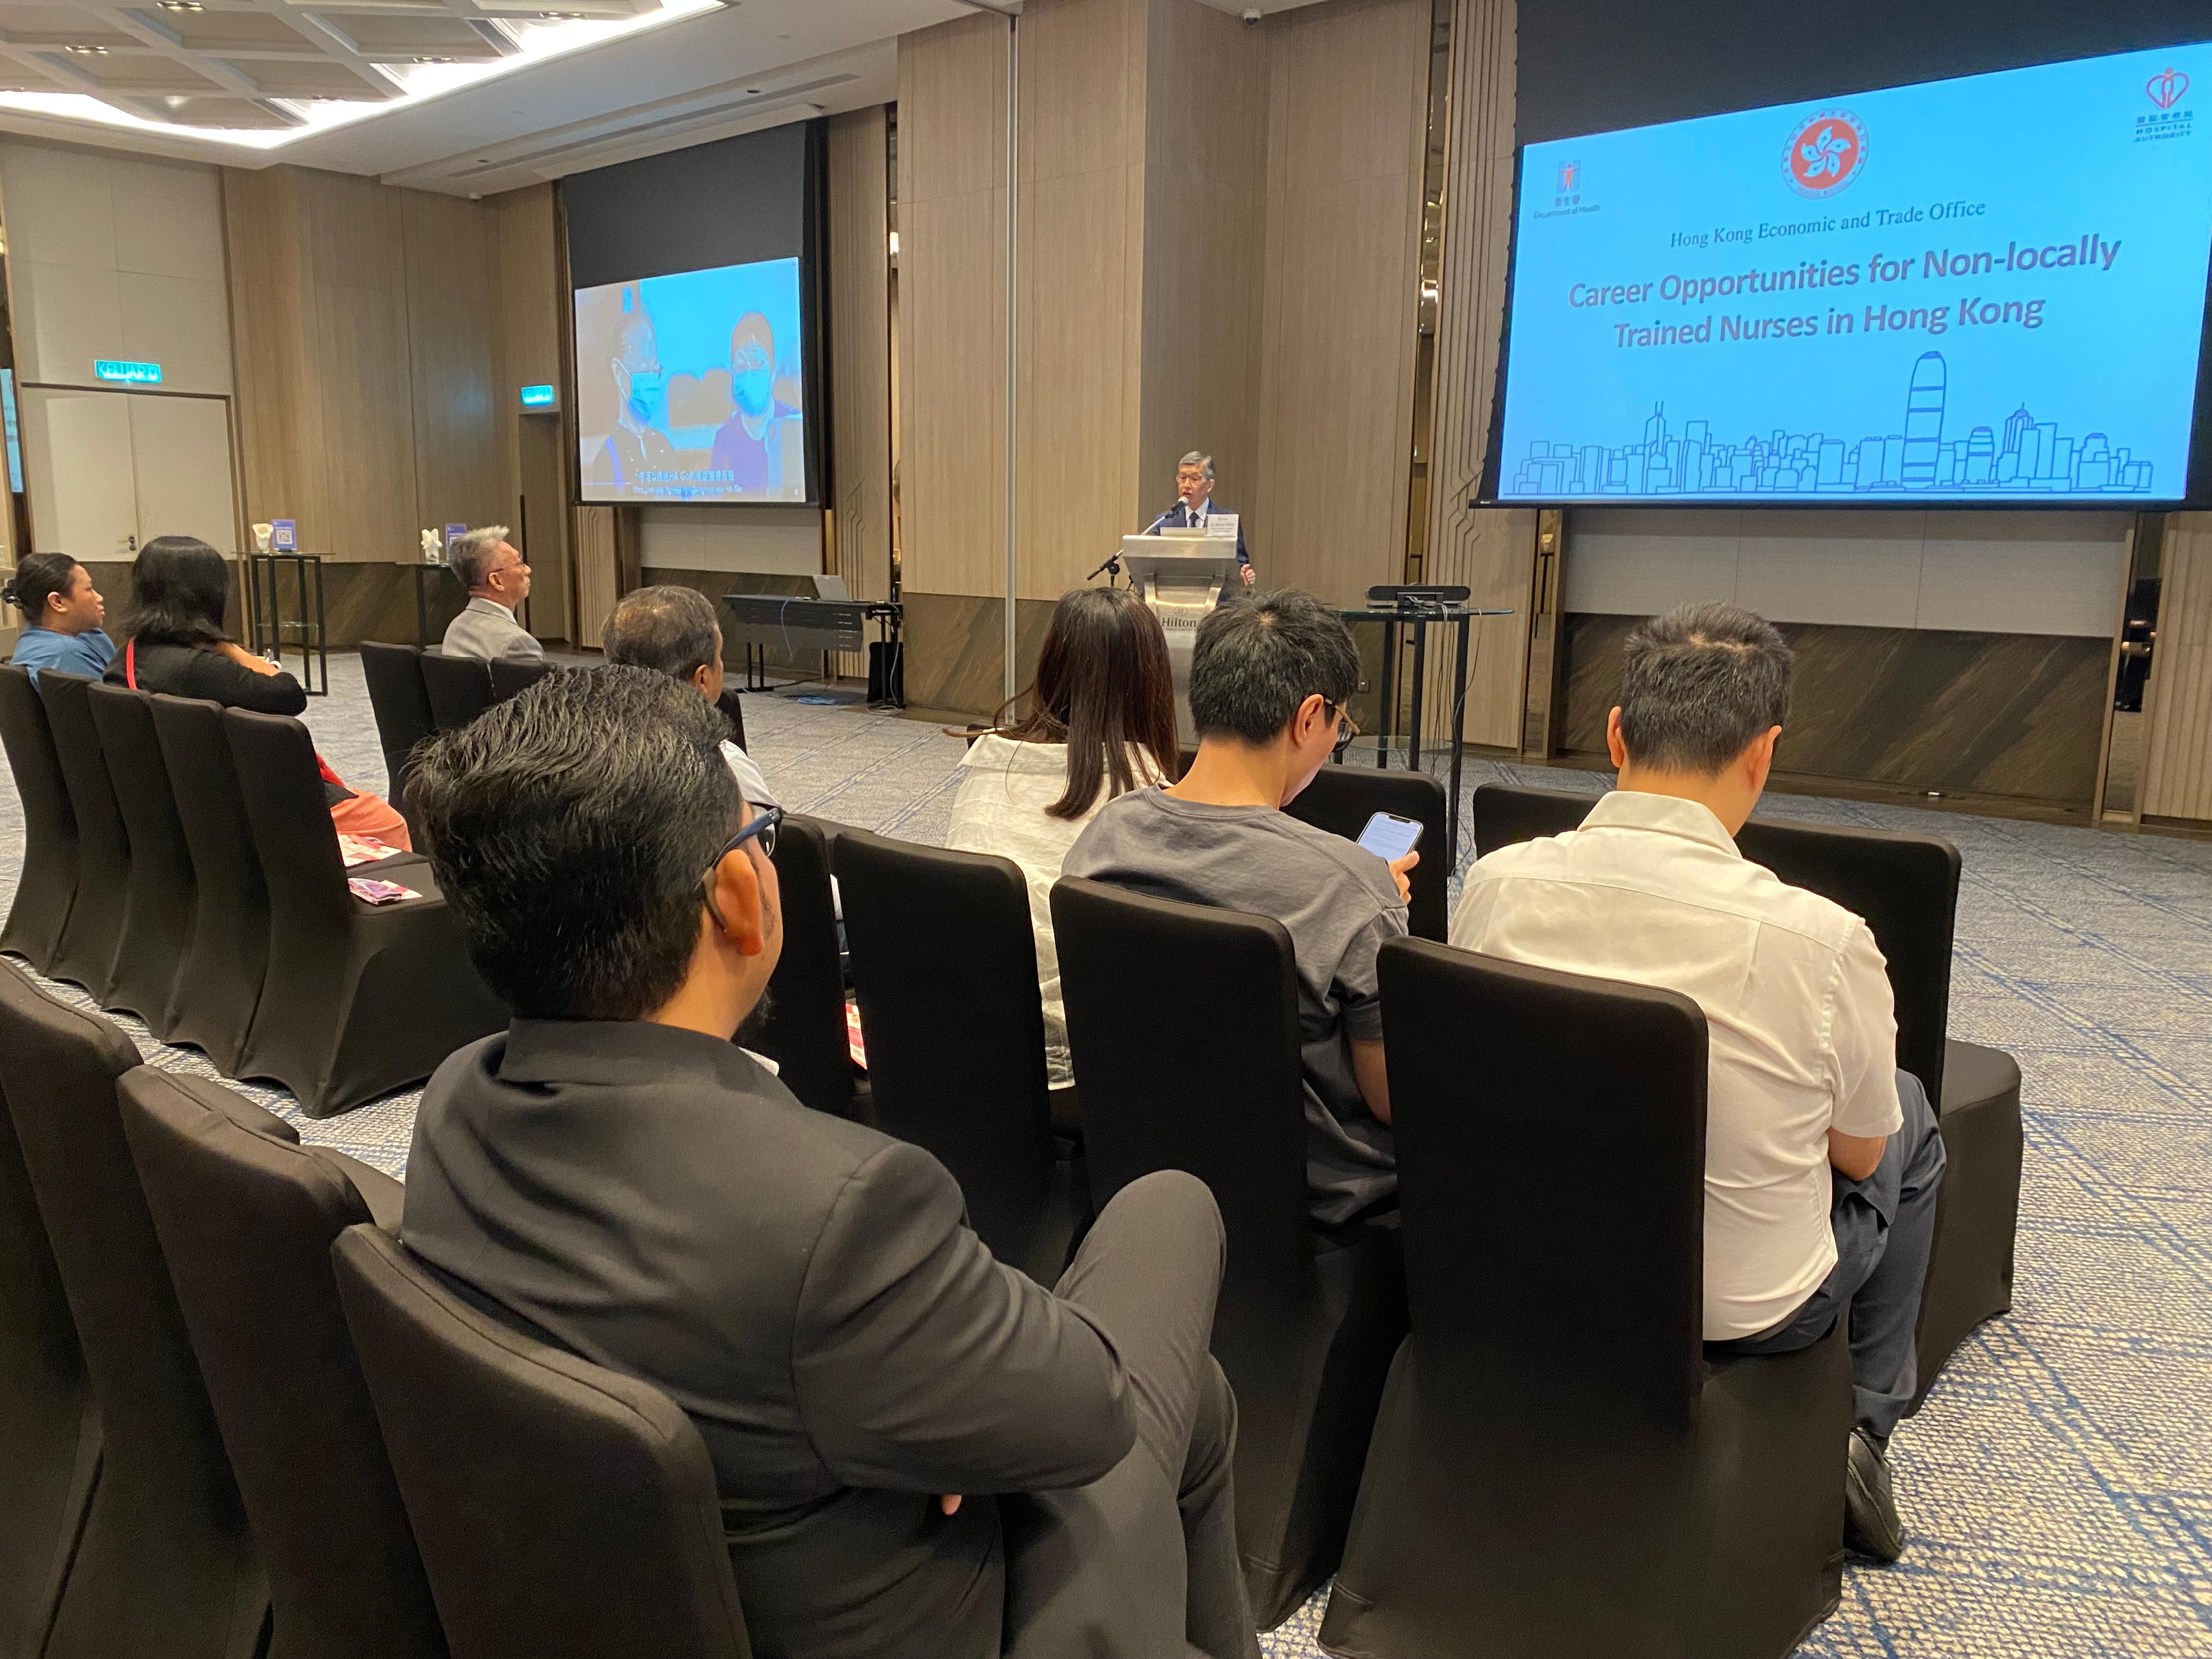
(1269, 680)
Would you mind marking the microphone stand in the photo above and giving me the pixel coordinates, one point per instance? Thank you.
(1113, 561)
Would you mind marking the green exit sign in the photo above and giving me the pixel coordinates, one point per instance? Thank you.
(126, 373)
(540, 397)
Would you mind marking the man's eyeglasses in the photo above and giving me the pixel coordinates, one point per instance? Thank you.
(762, 829)
(1346, 727)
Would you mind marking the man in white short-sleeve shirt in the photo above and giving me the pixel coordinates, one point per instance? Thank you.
(1821, 1158)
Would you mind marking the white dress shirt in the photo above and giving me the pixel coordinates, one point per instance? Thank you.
(1001, 810)
(1800, 1026)
(752, 782)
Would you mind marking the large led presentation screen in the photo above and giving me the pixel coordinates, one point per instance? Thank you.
(689, 387)
(1984, 290)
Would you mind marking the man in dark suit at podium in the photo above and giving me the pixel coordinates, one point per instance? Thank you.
(1194, 506)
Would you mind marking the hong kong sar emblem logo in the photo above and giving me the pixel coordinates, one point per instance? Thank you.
(1824, 153)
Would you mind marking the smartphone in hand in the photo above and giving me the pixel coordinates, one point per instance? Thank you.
(1390, 837)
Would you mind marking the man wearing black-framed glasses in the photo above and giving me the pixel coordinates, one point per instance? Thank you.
(1270, 680)
(920, 1451)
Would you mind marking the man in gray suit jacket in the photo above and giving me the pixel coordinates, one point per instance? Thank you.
(497, 578)
(920, 1451)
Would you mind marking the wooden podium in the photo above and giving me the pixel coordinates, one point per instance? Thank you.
(1180, 573)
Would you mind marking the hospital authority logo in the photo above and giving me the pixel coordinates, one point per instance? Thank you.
(1824, 154)
(2166, 90)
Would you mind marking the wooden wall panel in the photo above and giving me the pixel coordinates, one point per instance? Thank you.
(458, 421)
(860, 353)
(533, 458)
(1346, 128)
(363, 321)
(1491, 550)
(1205, 247)
(274, 348)
(598, 571)
(952, 230)
(2178, 752)
(1081, 258)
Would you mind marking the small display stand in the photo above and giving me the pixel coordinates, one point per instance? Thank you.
(273, 631)
(1417, 608)
(427, 577)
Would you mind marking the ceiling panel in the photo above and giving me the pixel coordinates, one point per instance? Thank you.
(404, 88)
(274, 77)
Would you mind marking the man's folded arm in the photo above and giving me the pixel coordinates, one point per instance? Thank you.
(921, 1364)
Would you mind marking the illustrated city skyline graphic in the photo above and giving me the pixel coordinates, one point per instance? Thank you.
(2026, 455)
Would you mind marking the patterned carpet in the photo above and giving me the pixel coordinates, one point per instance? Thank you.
(2058, 1486)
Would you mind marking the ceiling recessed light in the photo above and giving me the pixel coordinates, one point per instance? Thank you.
(86, 51)
(182, 5)
(434, 60)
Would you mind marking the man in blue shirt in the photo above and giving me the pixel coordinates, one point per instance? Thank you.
(62, 616)
(748, 447)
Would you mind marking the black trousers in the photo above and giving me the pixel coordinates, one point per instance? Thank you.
(1142, 1562)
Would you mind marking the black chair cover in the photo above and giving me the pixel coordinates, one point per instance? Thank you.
(158, 920)
(87, 953)
(218, 984)
(1341, 799)
(49, 1426)
(246, 1217)
(1556, 1470)
(165, 1564)
(359, 1000)
(1176, 1077)
(402, 707)
(39, 916)
(512, 676)
(564, 1511)
(804, 1032)
(945, 967)
(460, 688)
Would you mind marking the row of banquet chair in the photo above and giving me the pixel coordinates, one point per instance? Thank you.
(1589, 1287)
(238, 1419)
(179, 864)
(415, 693)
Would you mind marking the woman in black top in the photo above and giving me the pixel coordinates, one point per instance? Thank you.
(174, 643)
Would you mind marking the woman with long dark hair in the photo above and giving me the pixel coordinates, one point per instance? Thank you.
(1097, 720)
(179, 588)
(62, 616)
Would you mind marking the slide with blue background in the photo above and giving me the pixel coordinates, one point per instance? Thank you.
(1991, 288)
(689, 386)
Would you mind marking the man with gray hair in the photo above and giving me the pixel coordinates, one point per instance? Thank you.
(1822, 1159)
(672, 630)
(1193, 507)
(498, 580)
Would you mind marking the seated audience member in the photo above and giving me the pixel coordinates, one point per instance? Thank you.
(1821, 1158)
(672, 631)
(1101, 722)
(498, 582)
(920, 1451)
(180, 587)
(1269, 681)
(62, 616)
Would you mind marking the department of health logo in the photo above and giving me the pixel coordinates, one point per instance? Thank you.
(1824, 153)
(2167, 88)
